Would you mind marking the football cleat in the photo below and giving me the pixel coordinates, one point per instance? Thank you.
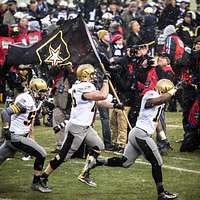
(44, 182)
(85, 178)
(167, 195)
(40, 188)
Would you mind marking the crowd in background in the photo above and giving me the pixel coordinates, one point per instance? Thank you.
(139, 43)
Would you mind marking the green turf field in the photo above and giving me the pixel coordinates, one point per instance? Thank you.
(181, 174)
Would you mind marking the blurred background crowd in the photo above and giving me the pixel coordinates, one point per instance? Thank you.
(139, 42)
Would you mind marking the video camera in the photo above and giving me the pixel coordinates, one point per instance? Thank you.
(134, 49)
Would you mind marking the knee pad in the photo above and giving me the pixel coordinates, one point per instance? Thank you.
(117, 161)
(56, 161)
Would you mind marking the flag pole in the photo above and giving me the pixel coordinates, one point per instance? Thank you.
(104, 70)
(115, 95)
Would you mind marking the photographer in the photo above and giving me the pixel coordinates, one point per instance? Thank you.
(139, 67)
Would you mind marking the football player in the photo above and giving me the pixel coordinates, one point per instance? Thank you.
(85, 97)
(17, 121)
(140, 137)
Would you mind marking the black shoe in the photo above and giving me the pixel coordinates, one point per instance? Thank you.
(85, 178)
(39, 187)
(166, 195)
(44, 182)
(120, 150)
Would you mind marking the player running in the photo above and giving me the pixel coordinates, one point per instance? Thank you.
(85, 97)
(18, 120)
(140, 137)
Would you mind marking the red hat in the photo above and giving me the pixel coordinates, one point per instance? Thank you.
(116, 37)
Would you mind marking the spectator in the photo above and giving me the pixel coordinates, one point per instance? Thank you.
(118, 48)
(9, 18)
(148, 32)
(129, 14)
(61, 87)
(114, 7)
(21, 31)
(186, 29)
(5, 40)
(33, 12)
(134, 37)
(174, 47)
(3, 9)
(169, 15)
(191, 102)
(105, 52)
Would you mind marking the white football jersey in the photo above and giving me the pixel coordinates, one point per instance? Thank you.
(82, 112)
(148, 117)
(21, 122)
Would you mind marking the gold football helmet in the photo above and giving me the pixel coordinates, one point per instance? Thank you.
(164, 85)
(85, 72)
(38, 87)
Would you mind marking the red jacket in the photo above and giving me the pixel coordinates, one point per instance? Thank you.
(4, 42)
(174, 47)
(154, 75)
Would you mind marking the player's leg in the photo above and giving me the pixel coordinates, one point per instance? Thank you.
(72, 142)
(131, 153)
(96, 145)
(6, 151)
(31, 147)
(150, 150)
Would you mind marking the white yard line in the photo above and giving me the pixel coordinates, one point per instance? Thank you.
(164, 166)
(172, 168)
(180, 158)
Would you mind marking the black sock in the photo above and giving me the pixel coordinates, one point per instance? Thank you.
(160, 188)
(36, 179)
(44, 175)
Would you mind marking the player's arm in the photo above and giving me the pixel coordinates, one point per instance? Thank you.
(98, 95)
(108, 104)
(12, 109)
(161, 99)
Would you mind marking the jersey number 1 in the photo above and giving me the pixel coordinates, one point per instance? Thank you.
(158, 114)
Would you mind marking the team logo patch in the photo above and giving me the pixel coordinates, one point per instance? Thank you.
(55, 51)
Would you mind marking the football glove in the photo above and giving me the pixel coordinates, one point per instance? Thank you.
(118, 105)
(106, 76)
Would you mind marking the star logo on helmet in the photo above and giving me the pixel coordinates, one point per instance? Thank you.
(54, 57)
(54, 51)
